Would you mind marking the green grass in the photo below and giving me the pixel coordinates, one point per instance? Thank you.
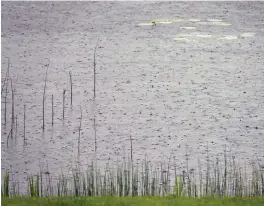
(145, 179)
(127, 201)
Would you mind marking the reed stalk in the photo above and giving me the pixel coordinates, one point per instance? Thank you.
(52, 111)
(71, 86)
(63, 103)
(43, 101)
(13, 108)
(6, 90)
(79, 137)
(24, 124)
(94, 68)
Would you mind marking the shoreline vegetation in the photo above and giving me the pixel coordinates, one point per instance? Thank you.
(219, 178)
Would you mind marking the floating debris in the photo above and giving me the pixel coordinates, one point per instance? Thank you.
(145, 24)
(182, 39)
(184, 35)
(229, 37)
(204, 35)
(188, 27)
(221, 24)
(194, 20)
(216, 23)
(165, 22)
(169, 20)
(248, 34)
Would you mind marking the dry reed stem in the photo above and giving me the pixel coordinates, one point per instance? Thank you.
(52, 111)
(24, 124)
(13, 108)
(43, 101)
(94, 119)
(6, 88)
(79, 137)
(63, 103)
(94, 68)
(71, 86)
(7, 75)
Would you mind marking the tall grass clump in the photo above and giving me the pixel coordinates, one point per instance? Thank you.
(5, 188)
(221, 178)
(34, 185)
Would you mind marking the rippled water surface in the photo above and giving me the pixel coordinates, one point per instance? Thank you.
(197, 76)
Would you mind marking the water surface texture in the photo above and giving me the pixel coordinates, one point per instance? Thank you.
(196, 77)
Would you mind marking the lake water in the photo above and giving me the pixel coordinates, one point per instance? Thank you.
(196, 77)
